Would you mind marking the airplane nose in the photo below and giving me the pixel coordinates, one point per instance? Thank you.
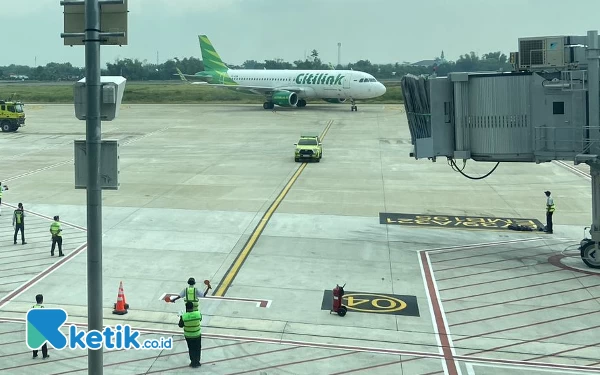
(381, 89)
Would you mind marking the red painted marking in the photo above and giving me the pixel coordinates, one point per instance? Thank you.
(375, 366)
(143, 359)
(439, 319)
(218, 361)
(41, 275)
(496, 261)
(263, 303)
(533, 340)
(517, 313)
(527, 325)
(292, 363)
(499, 280)
(555, 261)
(448, 249)
(564, 351)
(516, 288)
(578, 289)
(470, 256)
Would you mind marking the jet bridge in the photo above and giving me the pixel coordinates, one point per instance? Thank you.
(547, 108)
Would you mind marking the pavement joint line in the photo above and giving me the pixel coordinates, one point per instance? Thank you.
(237, 264)
(73, 159)
(40, 276)
(270, 341)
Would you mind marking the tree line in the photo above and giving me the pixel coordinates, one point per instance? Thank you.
(137, 70)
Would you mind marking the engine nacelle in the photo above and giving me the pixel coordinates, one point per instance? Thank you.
(285, 98)
(335, 100)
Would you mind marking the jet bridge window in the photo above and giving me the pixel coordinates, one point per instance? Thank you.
(558, 108)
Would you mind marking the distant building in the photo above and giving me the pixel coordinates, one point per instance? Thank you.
(430, 63)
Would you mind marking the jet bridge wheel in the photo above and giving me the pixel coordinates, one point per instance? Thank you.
(589, 255)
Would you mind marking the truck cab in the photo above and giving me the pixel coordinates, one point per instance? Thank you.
(309, 147)
(12, 115)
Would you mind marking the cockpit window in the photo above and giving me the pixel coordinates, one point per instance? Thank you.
(362, 80)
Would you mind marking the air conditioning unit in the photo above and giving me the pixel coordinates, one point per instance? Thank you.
(542, 52)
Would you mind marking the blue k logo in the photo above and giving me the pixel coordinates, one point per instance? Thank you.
(44, 325)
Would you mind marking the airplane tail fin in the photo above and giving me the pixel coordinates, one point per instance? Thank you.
(210, 57)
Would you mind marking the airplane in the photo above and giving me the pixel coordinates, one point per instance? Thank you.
(285, 88)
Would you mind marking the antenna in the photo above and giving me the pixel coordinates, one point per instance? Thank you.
(339, 53)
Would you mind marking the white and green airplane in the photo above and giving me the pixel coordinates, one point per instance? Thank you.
(286, 88)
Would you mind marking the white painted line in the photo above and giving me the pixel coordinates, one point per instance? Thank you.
(432, 313)
(470, 369)
(267, 340)
(444, 318)
(529, 368)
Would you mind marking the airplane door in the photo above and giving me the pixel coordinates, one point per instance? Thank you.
(347, 80)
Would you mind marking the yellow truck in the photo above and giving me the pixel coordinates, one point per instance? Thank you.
(12, 115)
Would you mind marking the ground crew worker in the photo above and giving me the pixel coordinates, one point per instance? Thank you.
(40, 299)
(190, 322)
(2, 188)
(191, 294)
(56, 230)
(549, 212)
(19, 223)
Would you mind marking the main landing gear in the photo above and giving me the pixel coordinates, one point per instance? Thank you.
(268, 105)
(353, 106)
(301, 103)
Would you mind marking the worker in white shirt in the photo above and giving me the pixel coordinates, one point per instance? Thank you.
(2, 188)
(549, 211)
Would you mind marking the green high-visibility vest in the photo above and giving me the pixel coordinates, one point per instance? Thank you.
(190, 296)
(37, 306)
(55, 228)
(191, 324)
(19, 216)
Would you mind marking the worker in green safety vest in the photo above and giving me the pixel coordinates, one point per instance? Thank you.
(56, 232)
(190, 322)
(191, 294)
(19, 223)
(39, 299)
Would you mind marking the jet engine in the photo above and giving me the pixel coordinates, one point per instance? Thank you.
(285, 98)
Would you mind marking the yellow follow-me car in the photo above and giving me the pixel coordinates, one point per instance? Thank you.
(309, 147)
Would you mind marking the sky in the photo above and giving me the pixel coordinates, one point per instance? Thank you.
(381, 31)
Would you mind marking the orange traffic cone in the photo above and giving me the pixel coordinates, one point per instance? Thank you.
(120, 308)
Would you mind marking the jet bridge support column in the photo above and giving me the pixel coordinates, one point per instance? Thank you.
(590, 250)
(461, 107)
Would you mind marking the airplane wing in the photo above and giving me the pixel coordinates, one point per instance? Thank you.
(259, 90)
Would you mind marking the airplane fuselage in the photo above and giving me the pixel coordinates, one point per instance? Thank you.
(325, 84)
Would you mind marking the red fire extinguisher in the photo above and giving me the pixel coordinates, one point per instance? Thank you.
(337, 307)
